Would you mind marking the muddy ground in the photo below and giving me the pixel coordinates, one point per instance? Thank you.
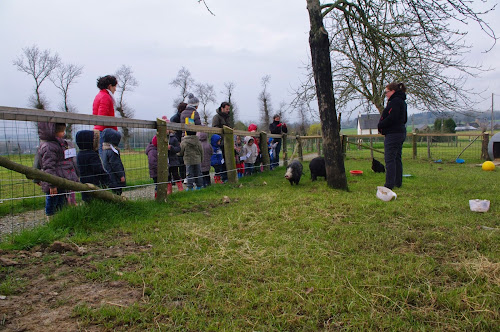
(51, 282)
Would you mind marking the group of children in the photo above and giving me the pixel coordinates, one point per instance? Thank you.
(198, 155)
(58, 157)
(98, 161)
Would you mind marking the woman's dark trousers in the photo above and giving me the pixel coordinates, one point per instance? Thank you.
(393, 145)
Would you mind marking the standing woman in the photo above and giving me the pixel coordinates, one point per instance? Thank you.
(392, 125)
(104, 103)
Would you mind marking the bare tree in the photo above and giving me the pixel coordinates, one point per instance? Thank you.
(303, 124)
(206, 94)
(62, 77)
(402, 42)
(265, 103)
(126, 82)
(230, 86)
(39, 65)
(425, 14)
(184, 82)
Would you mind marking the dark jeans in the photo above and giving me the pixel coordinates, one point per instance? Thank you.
(54, 204)
(393, 145)
(249, 168)
(194, 176)
(220, 170)
(173, 173)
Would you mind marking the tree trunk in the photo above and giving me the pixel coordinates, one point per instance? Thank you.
(33, 173)
(322, 69)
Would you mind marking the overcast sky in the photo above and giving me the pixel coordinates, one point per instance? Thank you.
(245, 41)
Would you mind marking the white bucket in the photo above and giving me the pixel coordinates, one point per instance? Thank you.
(385, 194)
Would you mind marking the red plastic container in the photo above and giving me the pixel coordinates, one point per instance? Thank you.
(356, 172)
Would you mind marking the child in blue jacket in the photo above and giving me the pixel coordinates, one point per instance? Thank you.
(217, 158)
(111, 159)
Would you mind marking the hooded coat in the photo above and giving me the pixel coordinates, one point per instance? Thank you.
(394, 116)
(191, 150)
(88, 160)
(249, 152)
(51, 155)
(111, 157)
(152, 153)
(207, 151)
(217, 156)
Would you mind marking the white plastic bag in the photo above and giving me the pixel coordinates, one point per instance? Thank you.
(385, 194)
(479, 205)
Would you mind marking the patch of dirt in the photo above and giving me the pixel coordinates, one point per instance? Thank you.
(53, 286)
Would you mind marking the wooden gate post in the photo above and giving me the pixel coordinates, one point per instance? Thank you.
(264, 151)
(162, 139)
(284, 147)
(299, 145)
(229, 159)
(414, 143)
(484, 147)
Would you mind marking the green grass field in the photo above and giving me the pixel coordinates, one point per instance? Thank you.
(283, 258)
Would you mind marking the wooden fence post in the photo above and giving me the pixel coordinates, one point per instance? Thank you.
(318, 147)
(299, 145)
(266, 161)
(284, 147)
(162, 139)
(414, 143)
(229, 159)
(484, 147)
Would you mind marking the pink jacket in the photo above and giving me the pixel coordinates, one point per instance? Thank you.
(103, 105)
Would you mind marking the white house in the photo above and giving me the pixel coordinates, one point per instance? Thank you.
(367, 124)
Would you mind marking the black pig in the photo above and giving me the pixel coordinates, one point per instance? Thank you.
(294, 172)
(317, 168)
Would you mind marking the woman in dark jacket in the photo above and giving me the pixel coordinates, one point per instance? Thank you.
(392, 125)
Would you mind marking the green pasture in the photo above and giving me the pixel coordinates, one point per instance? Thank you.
(277, 257)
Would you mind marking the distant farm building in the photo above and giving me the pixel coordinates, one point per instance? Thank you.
(367, 124)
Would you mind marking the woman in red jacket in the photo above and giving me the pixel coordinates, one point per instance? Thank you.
(104, 103)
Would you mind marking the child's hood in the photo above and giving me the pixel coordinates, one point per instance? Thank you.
(47, 131)
(87, 139)
(202, 136)
(248, 138)
(112, 136)
(213, 141)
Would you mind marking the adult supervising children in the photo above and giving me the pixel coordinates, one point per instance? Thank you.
(392, 125)
(277, 127)
(222, 118)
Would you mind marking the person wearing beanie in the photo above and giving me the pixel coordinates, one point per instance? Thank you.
(190, 115)
(178, 133)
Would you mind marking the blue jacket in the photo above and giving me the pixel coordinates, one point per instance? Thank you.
(217, 156)
(111, 158)
(88, 160)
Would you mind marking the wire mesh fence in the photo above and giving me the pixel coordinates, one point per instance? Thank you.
(23, 202)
